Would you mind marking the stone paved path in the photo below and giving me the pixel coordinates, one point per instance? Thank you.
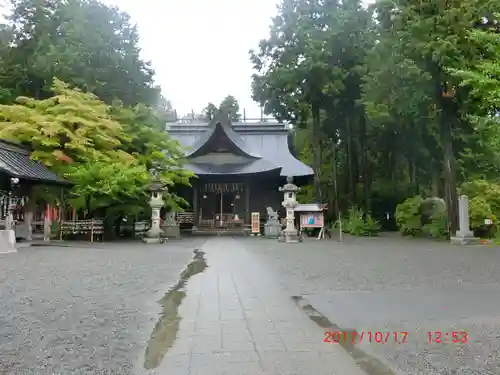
(236, 320)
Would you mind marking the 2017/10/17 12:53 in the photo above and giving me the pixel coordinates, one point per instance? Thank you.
(358, 337)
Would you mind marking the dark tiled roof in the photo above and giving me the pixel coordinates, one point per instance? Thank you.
(221, 124)
(268, 141)
(16, 162)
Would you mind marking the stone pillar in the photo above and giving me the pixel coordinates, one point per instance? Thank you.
(47, 223)
(290, 233)
(463, 216)
(28, 222)
(29, 208)
(155, 219)
(7, 241)
(248, 214)
(464, 235)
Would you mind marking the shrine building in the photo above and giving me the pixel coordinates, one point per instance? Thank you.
(239, 168)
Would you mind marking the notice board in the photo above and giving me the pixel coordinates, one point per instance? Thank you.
(312, 220)
(255, 222)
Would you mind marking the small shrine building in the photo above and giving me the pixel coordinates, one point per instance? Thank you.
(239, 167)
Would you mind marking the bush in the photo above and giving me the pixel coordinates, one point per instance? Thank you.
(437, 226)
(417, 216)
(489, 191)
(480, 209)
(484, 203)
(408, 218)
(359, 224)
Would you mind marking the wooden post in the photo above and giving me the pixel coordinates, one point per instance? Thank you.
(221, 222)
(340, 228)
(60, 227)
(247, 202)
(195, 206)
(91, 230)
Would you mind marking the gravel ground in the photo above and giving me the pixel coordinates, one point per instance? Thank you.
(91, 309)
(83, 310)
(387, 283)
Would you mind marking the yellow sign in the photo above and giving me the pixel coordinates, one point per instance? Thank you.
(255, 222)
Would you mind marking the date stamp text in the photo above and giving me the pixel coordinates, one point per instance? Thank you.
(396, 337)
(360, 337)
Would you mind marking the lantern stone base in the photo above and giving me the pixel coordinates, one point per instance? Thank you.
(290, 236)
(7, 241)
(154, 235)
(157, 240)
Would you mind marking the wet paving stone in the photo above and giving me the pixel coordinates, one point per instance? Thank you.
(245, 323)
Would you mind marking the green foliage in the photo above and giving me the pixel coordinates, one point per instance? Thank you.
(229, 105)
(416, 216)
(408, 216)
(489, 191)
(390, 95)
(359, 224)
(82, 42)
(74, 88)
(105, 151)
(484, 203)
(437, 226)
(479, 210)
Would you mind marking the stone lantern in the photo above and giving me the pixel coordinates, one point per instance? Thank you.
(156, 189)
(290, 233)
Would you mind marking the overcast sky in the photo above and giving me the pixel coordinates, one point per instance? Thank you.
(199, 48)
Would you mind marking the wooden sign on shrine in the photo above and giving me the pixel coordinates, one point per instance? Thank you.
(222, 187)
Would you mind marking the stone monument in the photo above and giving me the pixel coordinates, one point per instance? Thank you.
(290, 233)
(170, 226)
(464, 235)
(272, 227)
(155, 233)
(8, 234)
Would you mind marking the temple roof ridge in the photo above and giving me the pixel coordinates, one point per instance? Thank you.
(222, 123)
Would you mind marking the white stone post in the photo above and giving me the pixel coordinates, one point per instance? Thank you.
(290, 233)
(8, 235)
(464, 235)
(463, 216)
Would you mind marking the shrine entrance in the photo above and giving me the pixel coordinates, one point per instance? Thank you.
(222, 205)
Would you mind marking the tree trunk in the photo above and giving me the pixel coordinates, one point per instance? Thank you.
(334, 173)
(449, 169)
(363, 153)
(87, 208)
(350, 163)
(412, 171)
(316, 151)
